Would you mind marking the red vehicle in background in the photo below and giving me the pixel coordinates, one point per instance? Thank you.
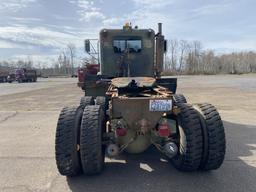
(85, 72)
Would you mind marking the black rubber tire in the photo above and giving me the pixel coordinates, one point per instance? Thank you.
(86, 100)
(91, 149)
(214, 137)
(100, 100)
(190, 143)
(67, 141)
(179, 98)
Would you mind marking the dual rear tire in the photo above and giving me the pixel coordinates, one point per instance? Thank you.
(179, 98)
(78, 144)
(80, 130)
(190, 139)
(213, 137)
(201, 138)
(92, 151)
(67, 141)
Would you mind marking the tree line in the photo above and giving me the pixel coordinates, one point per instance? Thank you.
(182, 57)
(188, 57)
(63, 65)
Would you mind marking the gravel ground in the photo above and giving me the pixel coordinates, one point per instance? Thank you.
(28, 117)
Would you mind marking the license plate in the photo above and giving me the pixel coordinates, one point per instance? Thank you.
(160, 105)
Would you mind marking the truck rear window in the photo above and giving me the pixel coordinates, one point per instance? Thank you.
(133, 46)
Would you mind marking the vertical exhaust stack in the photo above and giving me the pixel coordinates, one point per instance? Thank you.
(159, 51)
(160, 28)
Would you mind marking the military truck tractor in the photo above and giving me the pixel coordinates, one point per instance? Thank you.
(128, 107)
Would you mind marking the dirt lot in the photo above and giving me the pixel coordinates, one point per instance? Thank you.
(28, 116)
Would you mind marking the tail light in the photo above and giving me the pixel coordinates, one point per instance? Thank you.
(164, 130)
(120, 131)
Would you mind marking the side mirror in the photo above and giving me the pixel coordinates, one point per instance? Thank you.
(87, 46)
(165, 46)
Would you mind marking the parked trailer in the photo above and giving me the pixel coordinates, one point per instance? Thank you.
(3, 76)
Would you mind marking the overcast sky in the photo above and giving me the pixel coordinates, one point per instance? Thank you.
(41, 28)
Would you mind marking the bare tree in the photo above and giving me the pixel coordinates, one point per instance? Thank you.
(174, 49)
(209, 64)
(183, 45)
(64, 63)
(71, 48)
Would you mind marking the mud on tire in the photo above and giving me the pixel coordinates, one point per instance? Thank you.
(190, 142)
(91, 149)
(67, 140)
(214, 137)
